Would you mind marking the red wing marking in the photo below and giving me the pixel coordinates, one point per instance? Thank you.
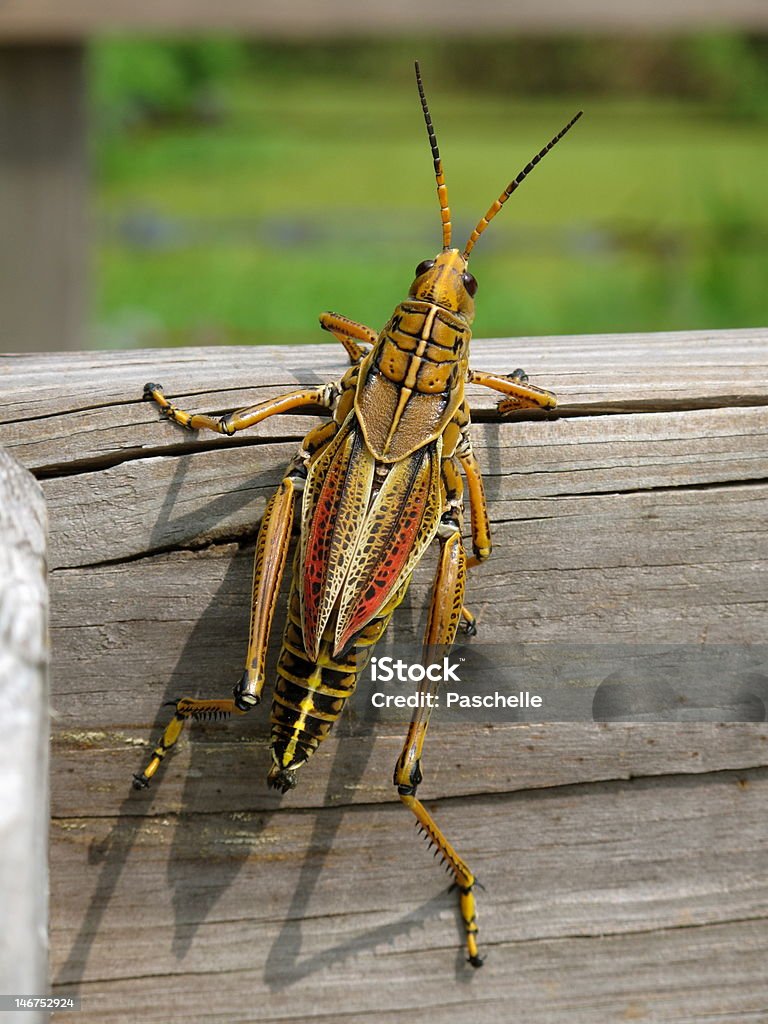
(402, 521)
(336, 498)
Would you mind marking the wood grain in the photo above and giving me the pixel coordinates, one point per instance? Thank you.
(623, 863)
(631, 901)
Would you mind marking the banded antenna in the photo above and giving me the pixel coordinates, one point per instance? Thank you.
(485, 221)
(442, 191)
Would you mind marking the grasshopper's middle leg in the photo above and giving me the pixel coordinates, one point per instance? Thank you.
(464, 459)
(480, 524)
(444, 616)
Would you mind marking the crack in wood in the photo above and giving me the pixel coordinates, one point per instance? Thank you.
(471, 797)
(480, 416)
(488, 944)
(95, 464)
(246, 536)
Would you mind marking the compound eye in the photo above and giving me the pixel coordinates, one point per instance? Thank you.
(424, 266)
(469, 283)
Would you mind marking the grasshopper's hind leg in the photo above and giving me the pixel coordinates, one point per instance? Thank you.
(444, 615)
(268, 567)
(186, 707)
(271, 553)
(468, 623)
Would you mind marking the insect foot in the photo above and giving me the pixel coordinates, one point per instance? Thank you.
(468, 626)
(469, 914)
(467, 905)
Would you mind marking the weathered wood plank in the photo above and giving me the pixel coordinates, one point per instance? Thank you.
(224, 769)
(23, 737)
(635, 516)
(220, 494)
(634, 901)
(34, 19)
(668, 567)
(64, 409)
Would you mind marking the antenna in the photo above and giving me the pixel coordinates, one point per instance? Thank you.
(485, 221)
(442, 191)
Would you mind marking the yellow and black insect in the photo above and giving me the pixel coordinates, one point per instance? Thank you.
(379, 481)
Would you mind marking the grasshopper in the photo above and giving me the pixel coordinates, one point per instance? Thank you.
(380, 481)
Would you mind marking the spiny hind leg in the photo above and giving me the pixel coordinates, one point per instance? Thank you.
(464, 879)
(444, 615)
(349, 333)
(269, 564)
(185, 708)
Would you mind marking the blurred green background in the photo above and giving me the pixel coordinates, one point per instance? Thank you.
(241, 188)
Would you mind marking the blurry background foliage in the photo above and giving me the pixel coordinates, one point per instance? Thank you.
(242, 188)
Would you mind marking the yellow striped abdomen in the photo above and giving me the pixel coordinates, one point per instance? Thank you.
(309, 696)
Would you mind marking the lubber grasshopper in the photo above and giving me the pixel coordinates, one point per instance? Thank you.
(380, 481)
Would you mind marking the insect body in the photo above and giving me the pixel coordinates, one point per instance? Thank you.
(380, 481)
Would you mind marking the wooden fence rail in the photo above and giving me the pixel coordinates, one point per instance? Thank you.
(624, 864)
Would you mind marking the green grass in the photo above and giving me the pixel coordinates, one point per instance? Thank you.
(318, 194)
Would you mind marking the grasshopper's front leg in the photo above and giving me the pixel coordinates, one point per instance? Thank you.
(323, 396)
(349, 333)
(520, 394)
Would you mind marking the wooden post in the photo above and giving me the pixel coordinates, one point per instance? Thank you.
(23, 737)
(43, 238)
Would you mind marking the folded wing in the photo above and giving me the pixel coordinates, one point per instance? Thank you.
(360, 545)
